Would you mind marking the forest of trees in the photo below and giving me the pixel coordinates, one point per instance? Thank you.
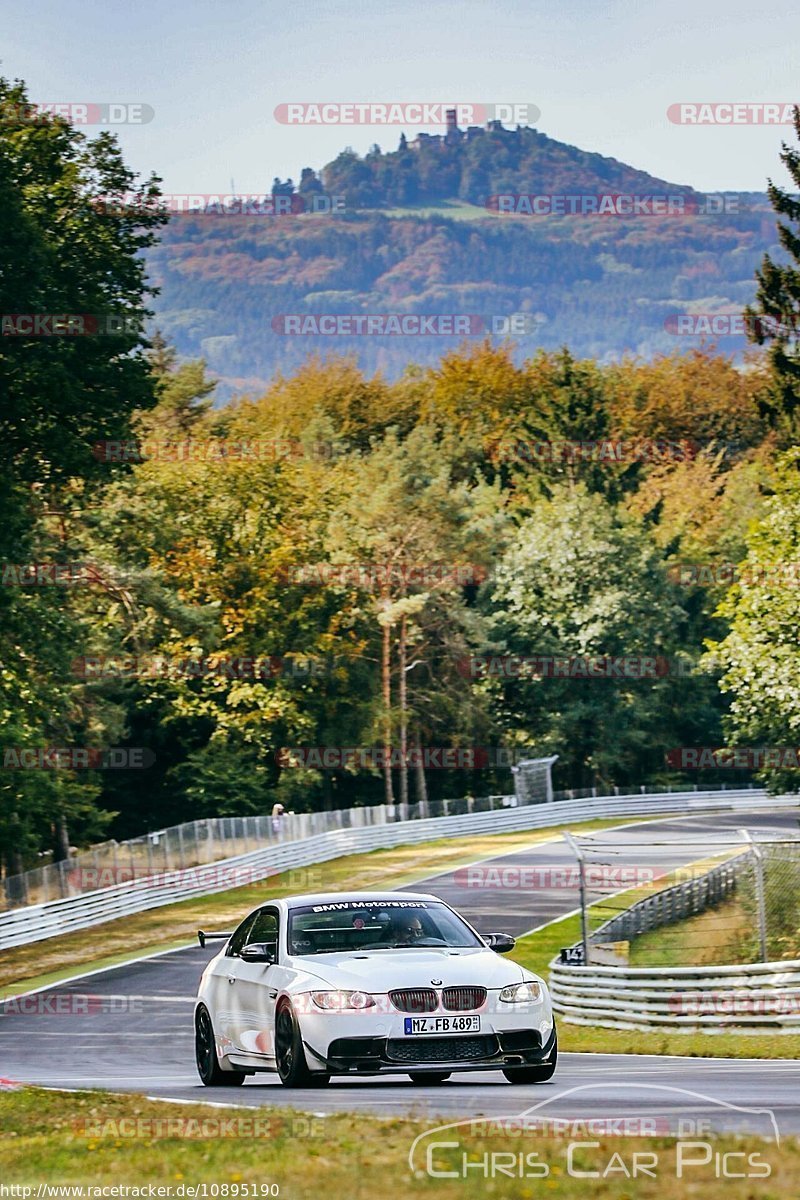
(339, 560)
(473, 165)
(604, 286)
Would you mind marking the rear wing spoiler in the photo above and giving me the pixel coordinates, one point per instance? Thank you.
(203, 937)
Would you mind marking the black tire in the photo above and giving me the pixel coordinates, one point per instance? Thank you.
(428, 1076)
(205, 1049)
(538, 1074)
(290, 1057)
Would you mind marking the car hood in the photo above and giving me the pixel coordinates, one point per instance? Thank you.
(383, 970)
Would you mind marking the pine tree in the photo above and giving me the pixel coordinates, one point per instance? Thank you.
(161, 355)
(309, 182)
(775, 317)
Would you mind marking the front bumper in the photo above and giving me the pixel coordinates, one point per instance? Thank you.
(488, 1051)
(374, 1042)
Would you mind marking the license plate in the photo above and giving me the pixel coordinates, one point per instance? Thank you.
(417, 1025)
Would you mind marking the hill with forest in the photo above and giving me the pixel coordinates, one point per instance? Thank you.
(420, 230)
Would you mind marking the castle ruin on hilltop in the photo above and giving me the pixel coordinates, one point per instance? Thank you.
(453, 136)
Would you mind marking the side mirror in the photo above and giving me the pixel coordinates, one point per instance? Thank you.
(260, 952)
(501, 943)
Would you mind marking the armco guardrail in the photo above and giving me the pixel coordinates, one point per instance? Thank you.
(758, 997)
(37, 922)
(674, 903)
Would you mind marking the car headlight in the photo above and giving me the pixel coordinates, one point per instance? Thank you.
(521, 993)
(339, 1001)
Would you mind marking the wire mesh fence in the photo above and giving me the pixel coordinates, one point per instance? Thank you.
(768, 894)
(195, 843)
(684, 902)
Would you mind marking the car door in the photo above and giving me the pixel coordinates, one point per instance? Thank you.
(220, 983)
(255, 988)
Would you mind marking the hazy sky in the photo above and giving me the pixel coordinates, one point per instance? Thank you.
(602, 73)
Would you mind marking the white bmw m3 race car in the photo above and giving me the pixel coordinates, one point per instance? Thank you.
(365, 984)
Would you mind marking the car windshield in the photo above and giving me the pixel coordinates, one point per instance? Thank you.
(375, 925)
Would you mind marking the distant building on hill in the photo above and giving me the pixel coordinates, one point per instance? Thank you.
(452, 133)
(453, 136)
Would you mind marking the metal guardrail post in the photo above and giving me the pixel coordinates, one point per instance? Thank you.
(576, 850)
(758, 858)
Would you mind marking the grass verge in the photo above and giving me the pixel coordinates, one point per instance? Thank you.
(103, 1140)
(719, 935)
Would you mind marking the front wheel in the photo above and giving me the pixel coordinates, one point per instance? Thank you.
(538, 1074)
(205, 1049)
(428, 1076)
(290, 1057)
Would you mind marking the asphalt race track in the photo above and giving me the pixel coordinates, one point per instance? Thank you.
(136, 1031)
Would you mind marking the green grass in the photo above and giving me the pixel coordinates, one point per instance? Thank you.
(537, 950)
(592, 1039)
(98, 1139)
(727, 933)
(456, 210)
(719, 935)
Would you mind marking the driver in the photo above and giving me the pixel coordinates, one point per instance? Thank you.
(407, 928)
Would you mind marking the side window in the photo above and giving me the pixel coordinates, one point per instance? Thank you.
(238, 939)
(264, 928)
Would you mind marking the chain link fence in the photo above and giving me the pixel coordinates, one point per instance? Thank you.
(670, 902)
(197, 843)
(768, 894)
